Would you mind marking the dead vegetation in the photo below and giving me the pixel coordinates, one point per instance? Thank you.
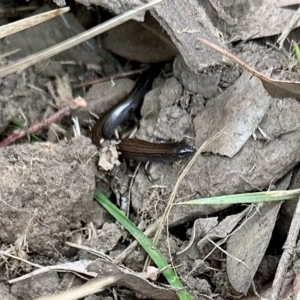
(229, 86)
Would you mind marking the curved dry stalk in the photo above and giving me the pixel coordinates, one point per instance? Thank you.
(174, 193)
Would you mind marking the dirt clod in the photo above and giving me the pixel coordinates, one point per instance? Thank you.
(50, 184)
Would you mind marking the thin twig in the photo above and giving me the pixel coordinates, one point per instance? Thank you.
(9, 53)
(287, 255)
(21, 259)
(17, 134)
(90, 250)
(109, 78)
(17, 10)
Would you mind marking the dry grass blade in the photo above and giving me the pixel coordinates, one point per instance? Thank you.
(9, 53)
(92, 287)
(74, 41)
(17, 26)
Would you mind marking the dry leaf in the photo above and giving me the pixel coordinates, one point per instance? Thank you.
(245, 20)
(133, 280)
(239, 109)
(249, 244)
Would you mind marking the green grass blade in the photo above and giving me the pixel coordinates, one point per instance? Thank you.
(146, 243)
(296, 50)
(247, 198)
(20, 125)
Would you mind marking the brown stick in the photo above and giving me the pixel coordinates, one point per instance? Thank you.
(287, 255)
(17, 134)
(107, 78)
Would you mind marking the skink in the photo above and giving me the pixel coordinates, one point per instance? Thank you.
(134, 148)
(145, 151)
(126, 109)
